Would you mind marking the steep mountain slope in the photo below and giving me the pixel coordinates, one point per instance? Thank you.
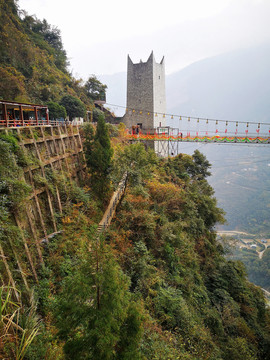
(234, 86)
(33, 63)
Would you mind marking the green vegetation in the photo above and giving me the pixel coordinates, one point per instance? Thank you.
(258, 270)
(95, 89)
(155, 286)
(99, 154)
(99, 317)
(241, 182)
(15, 338)
(74, 107)
(34, 65)
(56, 111)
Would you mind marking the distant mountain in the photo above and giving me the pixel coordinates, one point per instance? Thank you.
(233, 86)
(116, 92)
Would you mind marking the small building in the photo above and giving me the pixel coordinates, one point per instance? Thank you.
(22, 114)
(253, 246)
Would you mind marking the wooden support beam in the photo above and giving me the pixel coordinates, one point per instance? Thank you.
(27, 249)
(33, 229)
(38, 208)
(64, 150)
(9, 274)
(75, 146)
(81, 146)
(19, 265)
(36, 114)
(21, 115)
(47, 116)
(43, 174)
(52, 167)
(5, 115)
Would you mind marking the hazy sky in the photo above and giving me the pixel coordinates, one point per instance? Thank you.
(98, 35)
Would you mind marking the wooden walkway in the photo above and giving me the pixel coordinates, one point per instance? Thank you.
(115, 199)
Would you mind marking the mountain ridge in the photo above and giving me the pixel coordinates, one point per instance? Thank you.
(205, 89)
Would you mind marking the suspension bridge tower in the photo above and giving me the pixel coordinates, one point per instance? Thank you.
(146, 97)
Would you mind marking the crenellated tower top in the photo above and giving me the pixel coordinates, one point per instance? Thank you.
(146, 97)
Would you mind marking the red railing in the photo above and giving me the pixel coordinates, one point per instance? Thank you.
(33, 122)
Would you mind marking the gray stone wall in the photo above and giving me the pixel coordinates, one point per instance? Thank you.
(159, 93)
(145, 93)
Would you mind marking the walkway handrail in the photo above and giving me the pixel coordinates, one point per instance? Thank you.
(33, 122)
(217, 138)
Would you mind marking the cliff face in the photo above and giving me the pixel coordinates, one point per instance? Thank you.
(155, 285)
(164, 239)
(38, 163)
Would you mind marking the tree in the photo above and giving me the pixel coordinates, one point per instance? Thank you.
(89, 135)
(135, 159)
(96, 113)
(99, 157)
(201, 166)
(95, 89)
(96, 315)
(56, 111)
(74, 107)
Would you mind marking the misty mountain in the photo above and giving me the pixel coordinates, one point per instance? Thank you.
(233, 86)
(116, 92)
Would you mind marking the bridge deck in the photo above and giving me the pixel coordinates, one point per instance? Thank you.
(209, 139)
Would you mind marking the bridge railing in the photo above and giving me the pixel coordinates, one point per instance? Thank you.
(176, 134)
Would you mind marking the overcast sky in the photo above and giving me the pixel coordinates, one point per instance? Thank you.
(98, 35)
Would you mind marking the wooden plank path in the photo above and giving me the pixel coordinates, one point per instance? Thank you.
(115, 199)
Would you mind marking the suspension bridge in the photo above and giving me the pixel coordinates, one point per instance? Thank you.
(175, 135)
(198, 129)
(170, 144)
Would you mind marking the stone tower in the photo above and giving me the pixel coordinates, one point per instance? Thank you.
(146, 98)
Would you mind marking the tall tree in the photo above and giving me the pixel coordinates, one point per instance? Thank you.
(74, 107)
(56, 111)
(99, 158)
(96, 315)
(95, 89)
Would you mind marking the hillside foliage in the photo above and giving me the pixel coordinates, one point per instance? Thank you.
(156, 285)
(34, 64)
(258, 269)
